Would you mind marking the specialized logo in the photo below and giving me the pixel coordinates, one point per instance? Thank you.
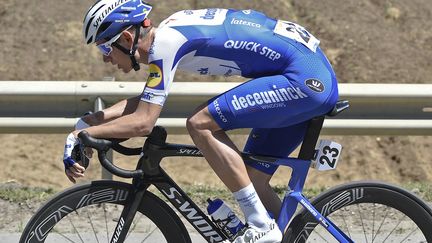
(190, 151)
(107, 11)
(200, 222)
(155, 79)
(315, 85)
(253, 47)
(268, 99)
(118, 230)
(210, 14)
(235, 21)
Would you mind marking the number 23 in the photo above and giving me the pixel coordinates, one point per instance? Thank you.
(328, 151)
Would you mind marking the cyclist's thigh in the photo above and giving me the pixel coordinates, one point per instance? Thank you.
(277, 101)
(273, 142)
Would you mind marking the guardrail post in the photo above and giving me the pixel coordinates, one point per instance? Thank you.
(98, 106)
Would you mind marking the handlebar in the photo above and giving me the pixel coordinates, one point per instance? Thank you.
(102, 146)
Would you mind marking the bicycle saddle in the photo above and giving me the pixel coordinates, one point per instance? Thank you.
(340, 106)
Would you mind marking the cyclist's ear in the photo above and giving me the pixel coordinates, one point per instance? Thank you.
(127, 38)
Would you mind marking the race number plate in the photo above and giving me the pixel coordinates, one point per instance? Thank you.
(297, 33)
(327, 155)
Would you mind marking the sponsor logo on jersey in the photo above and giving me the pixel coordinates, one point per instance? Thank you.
(219, 111)
(155, 79)
(235, 21)
(315, 85)
(268, 99)
(210, 14)
(253, 47)
(248, 11)
(147, 96)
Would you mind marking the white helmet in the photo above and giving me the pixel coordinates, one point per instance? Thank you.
(107, 18)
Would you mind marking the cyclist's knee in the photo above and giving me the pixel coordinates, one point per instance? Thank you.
(201, 121)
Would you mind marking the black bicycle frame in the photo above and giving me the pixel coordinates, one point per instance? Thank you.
(149, 172)
(153, 151)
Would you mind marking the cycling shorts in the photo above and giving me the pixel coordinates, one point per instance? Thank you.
(278, 106)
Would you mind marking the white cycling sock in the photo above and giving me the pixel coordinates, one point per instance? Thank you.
(252, 207)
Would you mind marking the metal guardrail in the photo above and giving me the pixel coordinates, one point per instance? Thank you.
(53, 107)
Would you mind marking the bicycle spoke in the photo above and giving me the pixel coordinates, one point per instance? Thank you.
(373, 222)
(346, 225)
(148, 235)
(414, 230)
(134, 225)
(77, 232)
(92, 226)
(99, 209)
(382, 223)
(106, 222)
(67, 238)
(362, 223)
(394, 228)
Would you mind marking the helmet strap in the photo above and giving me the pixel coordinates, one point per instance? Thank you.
(131, 53)
(135, 64)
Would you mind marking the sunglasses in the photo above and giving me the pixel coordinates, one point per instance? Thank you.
(106, 47)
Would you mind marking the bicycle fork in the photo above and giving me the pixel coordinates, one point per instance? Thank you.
(132, 203)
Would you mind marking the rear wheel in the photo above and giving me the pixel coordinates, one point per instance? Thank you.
(366, 212)
(90, 213)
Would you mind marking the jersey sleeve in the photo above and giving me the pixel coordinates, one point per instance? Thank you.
(163, 62)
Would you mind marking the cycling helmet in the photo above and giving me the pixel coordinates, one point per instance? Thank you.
(107, 18)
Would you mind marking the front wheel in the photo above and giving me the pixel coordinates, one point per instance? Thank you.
(90, 213)
(366, 212)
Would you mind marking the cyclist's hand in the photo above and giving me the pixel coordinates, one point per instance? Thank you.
(81, 125)
(72, 168)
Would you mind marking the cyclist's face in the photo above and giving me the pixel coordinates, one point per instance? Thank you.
(117, 57)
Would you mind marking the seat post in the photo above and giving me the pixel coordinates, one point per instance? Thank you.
(307, 150)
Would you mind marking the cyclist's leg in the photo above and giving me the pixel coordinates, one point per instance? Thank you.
(272, 142)
(224, 157)
(268, 102)
(218, 149)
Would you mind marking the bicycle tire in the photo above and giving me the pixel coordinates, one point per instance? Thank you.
(356, 193)
(94, 194)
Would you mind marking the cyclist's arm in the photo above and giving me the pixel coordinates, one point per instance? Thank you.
(121, 108)
(136, 124)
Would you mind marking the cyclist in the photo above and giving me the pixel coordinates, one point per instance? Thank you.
(291, 81)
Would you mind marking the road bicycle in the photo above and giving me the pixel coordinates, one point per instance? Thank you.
(112, 211)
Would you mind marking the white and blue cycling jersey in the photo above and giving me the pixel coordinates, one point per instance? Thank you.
(291, 79)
